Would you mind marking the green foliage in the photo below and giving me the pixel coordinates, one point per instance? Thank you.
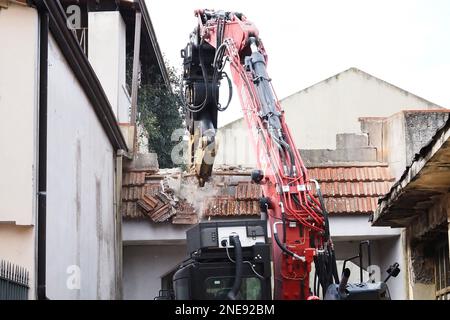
(160, 112)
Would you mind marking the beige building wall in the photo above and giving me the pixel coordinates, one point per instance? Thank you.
(17, 246)
(18, 113)
(316, 114)
(107, 55)
(19, 34)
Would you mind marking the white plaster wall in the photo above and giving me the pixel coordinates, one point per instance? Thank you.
(349, 227)
(80, 195)
(384, 252)
(144, 266)
(394, 144)
(107, 55)
(19, 36)
(342, 227)
(235, 146)
(316, 114)
(387, 247)
(144, 231)
(390, 251)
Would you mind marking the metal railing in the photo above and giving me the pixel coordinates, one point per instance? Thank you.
(13, 282)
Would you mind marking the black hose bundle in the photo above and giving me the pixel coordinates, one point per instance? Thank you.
(236, 243)
(326, 271)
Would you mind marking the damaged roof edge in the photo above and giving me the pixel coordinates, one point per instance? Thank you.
(83, 71)
(417, 164)
(152, 34)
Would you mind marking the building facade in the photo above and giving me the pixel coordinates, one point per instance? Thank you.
(65, 130)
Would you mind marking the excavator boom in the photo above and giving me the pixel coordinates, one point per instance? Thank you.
(292, 201)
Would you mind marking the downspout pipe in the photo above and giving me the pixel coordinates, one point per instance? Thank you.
(42, 157)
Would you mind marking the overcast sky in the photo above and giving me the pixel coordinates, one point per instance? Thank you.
(405, 42)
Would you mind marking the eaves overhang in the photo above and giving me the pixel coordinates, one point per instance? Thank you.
(421, 184)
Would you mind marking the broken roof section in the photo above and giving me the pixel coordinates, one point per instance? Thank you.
(427, 178)
(170, 196)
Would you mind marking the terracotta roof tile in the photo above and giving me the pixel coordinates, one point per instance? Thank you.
(248, 191)
(349, 173)
(352, 189)
(230, 206)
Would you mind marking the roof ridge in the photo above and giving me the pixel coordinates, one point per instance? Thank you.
(357, 70)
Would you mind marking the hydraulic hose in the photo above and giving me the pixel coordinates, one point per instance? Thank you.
(282, 246)
(236, 243)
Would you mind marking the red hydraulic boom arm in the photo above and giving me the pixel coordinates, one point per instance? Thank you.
(292, 201)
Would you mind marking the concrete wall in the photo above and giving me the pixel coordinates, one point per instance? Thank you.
(317, 114)
(80, 195)
(147, 232)
(392, 250)
(419, 129)
(404, 134)
(107, 55)
(145, 265)
(351, 227)
(19, 35)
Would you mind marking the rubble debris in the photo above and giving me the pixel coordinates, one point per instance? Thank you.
(168, 195)
(185, 214)
(158, 207)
